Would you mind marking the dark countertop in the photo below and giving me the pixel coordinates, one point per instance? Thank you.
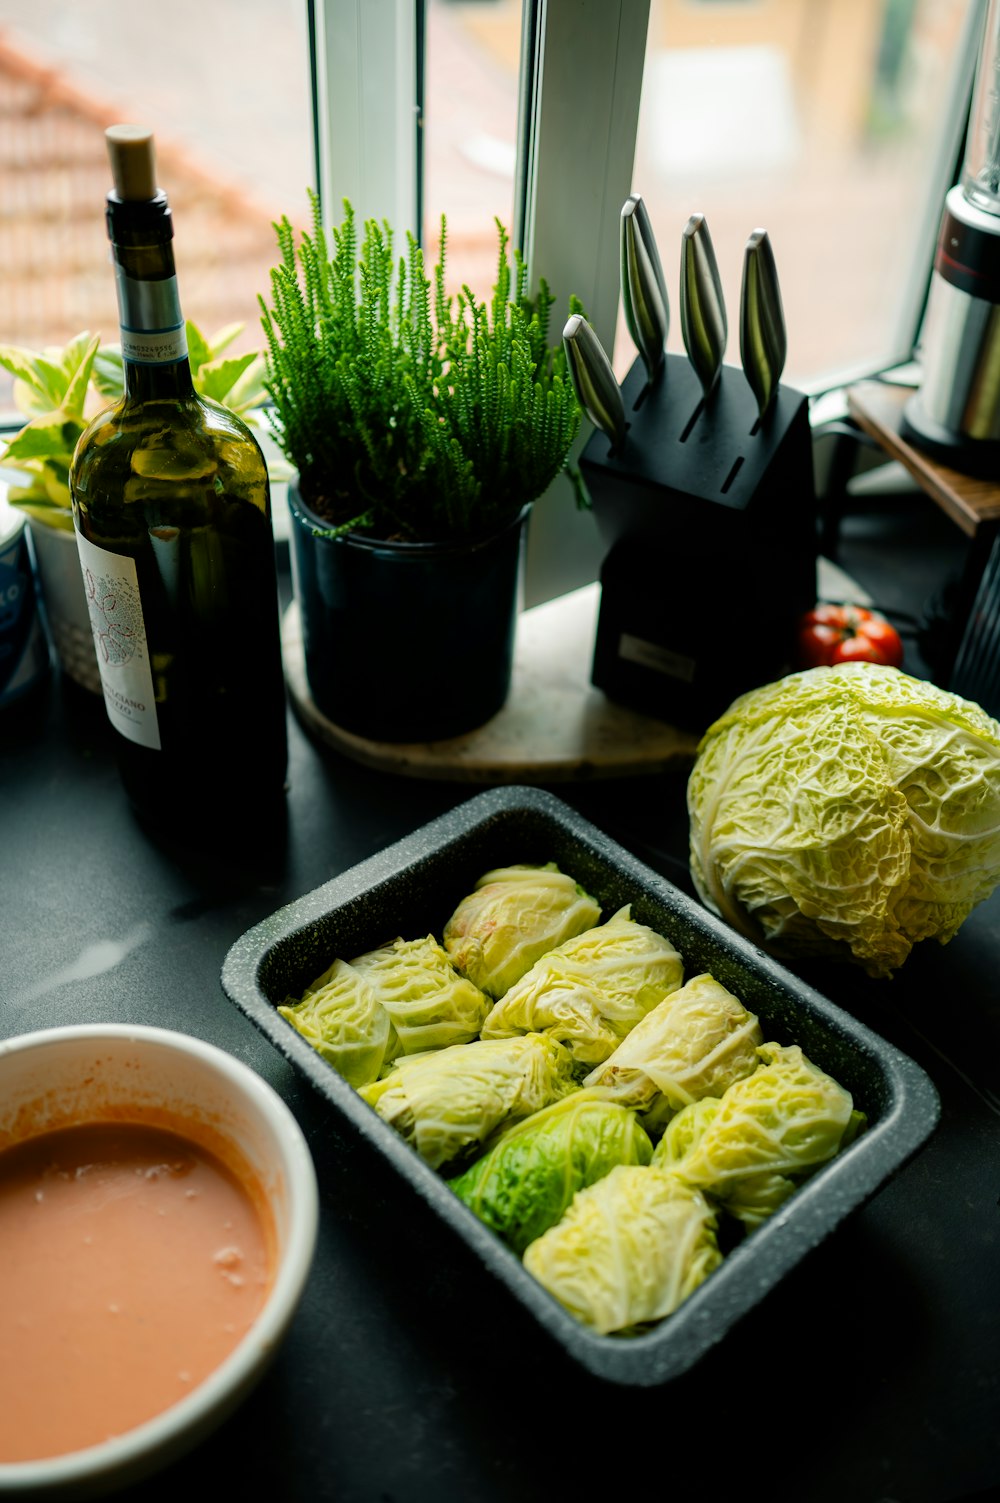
(870, 1374)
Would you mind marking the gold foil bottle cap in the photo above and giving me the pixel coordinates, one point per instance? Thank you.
(133, 161)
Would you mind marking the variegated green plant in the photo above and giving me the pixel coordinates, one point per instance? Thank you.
(59, 390)
(51, 387)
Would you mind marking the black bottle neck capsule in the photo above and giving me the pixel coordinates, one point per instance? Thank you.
(154, 343)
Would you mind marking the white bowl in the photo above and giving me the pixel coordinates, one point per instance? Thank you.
(61, 1076)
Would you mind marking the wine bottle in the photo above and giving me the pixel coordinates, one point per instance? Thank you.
(172, 510)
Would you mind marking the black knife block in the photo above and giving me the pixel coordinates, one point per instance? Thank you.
(709, 519)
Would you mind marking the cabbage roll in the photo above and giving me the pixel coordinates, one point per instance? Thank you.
(629, 1250)
(527, 1179)
(447, 1103)
(695, 1043)
(342, 1018)
(752, 1148)
(591, 991)
(429, 1004)
(514, 916)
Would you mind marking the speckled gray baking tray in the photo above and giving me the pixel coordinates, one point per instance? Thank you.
(411, 888)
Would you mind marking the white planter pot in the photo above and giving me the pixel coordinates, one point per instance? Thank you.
(65, 603)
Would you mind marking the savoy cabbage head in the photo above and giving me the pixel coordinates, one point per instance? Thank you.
(848, 811)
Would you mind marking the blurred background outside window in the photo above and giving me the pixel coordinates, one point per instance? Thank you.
(233, 125)
(470, 132)
(818, 121)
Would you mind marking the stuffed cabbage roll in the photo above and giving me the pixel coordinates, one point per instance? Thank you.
(405, 997)
(515, 915)
(429, 1004)
(592, 990)
(751, 1199)
(754, 1146)
(629, 1250)
(695, 1043)
(342, 1018)
(527, 1179)
(447, 1103)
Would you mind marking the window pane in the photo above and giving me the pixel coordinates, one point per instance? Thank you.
(820, 123)
(470, 133)
(233, 124)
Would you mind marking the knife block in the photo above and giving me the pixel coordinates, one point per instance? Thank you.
(709, 519)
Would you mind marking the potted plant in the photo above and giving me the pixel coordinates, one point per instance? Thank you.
(59, 390)
(422, 426)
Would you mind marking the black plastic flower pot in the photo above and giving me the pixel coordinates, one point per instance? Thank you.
(406, 641)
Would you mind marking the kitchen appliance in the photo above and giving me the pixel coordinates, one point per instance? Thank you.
(955, 414)
(706, 505)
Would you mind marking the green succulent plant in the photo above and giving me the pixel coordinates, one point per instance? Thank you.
(407, 412)
(59, 390)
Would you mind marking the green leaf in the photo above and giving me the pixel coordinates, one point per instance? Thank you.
(74, 353)
(76, 392)
(21, 363)
(33, 494)
(52, 436)
(223, 338)
(216, 378)
(36, 372)
(108, 373)
(41, 509)
(198, 350)
(249, 391)
(28, 400)
(55, 478)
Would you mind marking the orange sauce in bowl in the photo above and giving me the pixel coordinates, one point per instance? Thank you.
(133, 1260)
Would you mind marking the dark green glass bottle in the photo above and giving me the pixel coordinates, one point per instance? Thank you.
(173, 517)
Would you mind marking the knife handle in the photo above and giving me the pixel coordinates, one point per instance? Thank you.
(644, 291)
(594, 380)
(703, 307)
(763, 340)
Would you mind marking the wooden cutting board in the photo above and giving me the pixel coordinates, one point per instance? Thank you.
(555, 727)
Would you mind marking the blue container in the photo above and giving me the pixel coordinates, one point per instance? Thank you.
(24, 647)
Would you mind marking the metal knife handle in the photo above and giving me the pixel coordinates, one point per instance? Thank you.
(644, 291)
(703, 307)
(594, 381)
(763, 340)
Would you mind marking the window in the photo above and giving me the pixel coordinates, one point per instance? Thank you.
(837, 127)
(833, 127)
(472, 53)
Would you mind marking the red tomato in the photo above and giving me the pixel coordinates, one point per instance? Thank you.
(847, 634)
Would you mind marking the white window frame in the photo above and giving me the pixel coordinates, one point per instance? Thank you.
(367, 122)
(581, 81)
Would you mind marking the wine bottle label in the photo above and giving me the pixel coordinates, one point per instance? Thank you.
(152, 326)
(116, 619)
